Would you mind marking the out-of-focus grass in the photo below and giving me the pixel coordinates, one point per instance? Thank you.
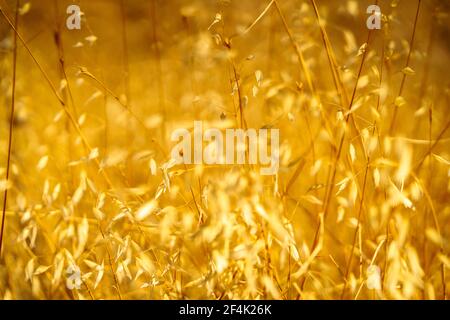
(360, 190)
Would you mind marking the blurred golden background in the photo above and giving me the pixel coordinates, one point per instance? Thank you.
(95, 210)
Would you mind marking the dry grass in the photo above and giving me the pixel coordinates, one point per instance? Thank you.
(86, 179)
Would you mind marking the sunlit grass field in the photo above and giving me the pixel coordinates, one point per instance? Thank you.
(94, 208)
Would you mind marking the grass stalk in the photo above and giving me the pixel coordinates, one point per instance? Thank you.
(402, 84)
(11, 125)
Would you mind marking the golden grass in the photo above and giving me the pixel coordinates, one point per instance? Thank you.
(87, 180)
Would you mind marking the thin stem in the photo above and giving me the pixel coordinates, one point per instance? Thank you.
(11, 124)
(402, 84)
(159, 72)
